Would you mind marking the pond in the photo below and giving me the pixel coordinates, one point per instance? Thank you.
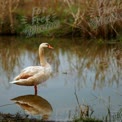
(85, 74)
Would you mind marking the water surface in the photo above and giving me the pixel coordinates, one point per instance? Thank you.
(84, 73)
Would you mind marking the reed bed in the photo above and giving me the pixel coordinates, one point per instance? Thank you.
(97, 18)
(84, 18)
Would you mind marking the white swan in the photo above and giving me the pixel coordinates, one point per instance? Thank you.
(34, 75)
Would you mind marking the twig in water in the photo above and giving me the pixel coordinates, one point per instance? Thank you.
(6, 105)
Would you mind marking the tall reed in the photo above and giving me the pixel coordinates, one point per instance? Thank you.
(92, 18)
(97, 17)
(8, 7)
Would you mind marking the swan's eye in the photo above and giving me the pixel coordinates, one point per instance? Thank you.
(47, 45)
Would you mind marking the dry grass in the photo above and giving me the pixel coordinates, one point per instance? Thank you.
(93, 18)
(8, 7)
(97, 17)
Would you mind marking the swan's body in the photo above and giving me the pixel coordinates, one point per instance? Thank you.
(34, 75)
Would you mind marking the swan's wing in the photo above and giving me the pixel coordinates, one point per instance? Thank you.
(31, 76)
(32, 69)
(29, 72)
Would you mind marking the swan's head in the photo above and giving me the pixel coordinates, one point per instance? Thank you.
(45, 45)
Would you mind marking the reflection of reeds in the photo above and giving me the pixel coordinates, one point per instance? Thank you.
(99, 60)
(9, 54)
(103, 61)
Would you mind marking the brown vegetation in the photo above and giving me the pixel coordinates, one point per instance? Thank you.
(97, 17)
(90, 18)
(8, 7)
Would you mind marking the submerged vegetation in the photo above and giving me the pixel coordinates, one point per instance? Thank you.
(87, 18)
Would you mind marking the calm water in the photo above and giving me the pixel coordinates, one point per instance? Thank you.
(84, 73)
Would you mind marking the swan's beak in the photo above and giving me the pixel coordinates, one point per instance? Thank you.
(50, 47)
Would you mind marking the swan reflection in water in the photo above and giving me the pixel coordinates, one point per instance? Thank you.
(34, 105)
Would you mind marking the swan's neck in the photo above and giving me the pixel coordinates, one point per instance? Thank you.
(43, 61)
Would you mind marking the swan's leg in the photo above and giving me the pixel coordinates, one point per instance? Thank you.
(35, 88)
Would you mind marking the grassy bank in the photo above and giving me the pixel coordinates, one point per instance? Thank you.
(20, 118)
(87, 19)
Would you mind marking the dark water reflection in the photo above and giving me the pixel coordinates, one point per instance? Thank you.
(92, 70)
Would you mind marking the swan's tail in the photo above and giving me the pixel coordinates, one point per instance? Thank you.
(13, 82)
(23, 82)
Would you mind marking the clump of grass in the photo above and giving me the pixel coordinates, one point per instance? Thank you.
(85, 113)
(38, 24)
